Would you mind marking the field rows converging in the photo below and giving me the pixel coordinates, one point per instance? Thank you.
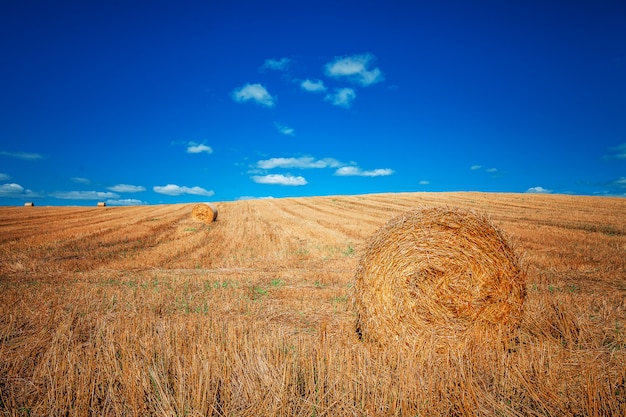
(146, 310)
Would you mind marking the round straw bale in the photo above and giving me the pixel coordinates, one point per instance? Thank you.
(205, 212)
(436, 270)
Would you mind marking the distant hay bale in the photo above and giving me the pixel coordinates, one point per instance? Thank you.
(102, 204)
(29, 204)
(437, 271)
(204, 212)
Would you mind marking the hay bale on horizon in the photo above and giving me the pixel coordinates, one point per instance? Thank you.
(29, 204)
(437, 271)
(102, 204)
(204, 212)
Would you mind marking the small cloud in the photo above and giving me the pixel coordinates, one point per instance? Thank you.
(14, 190)
(302, 162)
(79, 180)
(480, 167)
(285, 130)
(423, 182)
(341, 97)
(620, 183)
(253, 92)
(4, 177)
(313, 86)
(538, 190)
(194, 147)
(84, 195)
(22, 155)
(249, 197)
(356, 171)
(127, 188)
(126, 202)
(355, 68)
(174, 190)
(279, 179)
(618, 152)
(276, 64)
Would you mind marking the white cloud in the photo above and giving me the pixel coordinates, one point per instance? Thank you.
(341, 97)
(173, 190)
(253, 92)
(356, 171)
(22, 155)
(84, 195)
(279, 179)
(14, 190)
(4, 177)
(538, 190)
(127, 188)
(126, 202)
(619, 151)
(302, 162)
(313, 86)
(620, 183)
(348, 171)
(308, 162)
(249, 197)
(355, 68)
(277, 64)
(480, 167)
(423, 182)
(194, 147)
(285, 130)
(79, 180)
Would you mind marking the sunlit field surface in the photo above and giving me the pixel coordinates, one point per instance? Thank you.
(144, 310)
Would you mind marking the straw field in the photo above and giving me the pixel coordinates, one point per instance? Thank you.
(147, 311)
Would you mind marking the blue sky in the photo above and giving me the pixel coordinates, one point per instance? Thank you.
(134, 102)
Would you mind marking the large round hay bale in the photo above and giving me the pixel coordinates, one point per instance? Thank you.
(205, 212)
(437, 271)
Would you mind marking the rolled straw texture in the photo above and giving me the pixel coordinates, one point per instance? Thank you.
(436, 270)
(205, 212)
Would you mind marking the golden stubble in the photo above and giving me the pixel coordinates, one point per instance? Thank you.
(144, 310)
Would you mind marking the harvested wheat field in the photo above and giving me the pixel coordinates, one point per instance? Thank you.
(147, 311)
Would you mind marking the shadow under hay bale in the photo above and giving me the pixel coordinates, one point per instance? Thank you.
(204, 212)
(442, 272)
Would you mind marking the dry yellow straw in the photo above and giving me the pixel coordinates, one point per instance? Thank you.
(205, 212)
(437, 270)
